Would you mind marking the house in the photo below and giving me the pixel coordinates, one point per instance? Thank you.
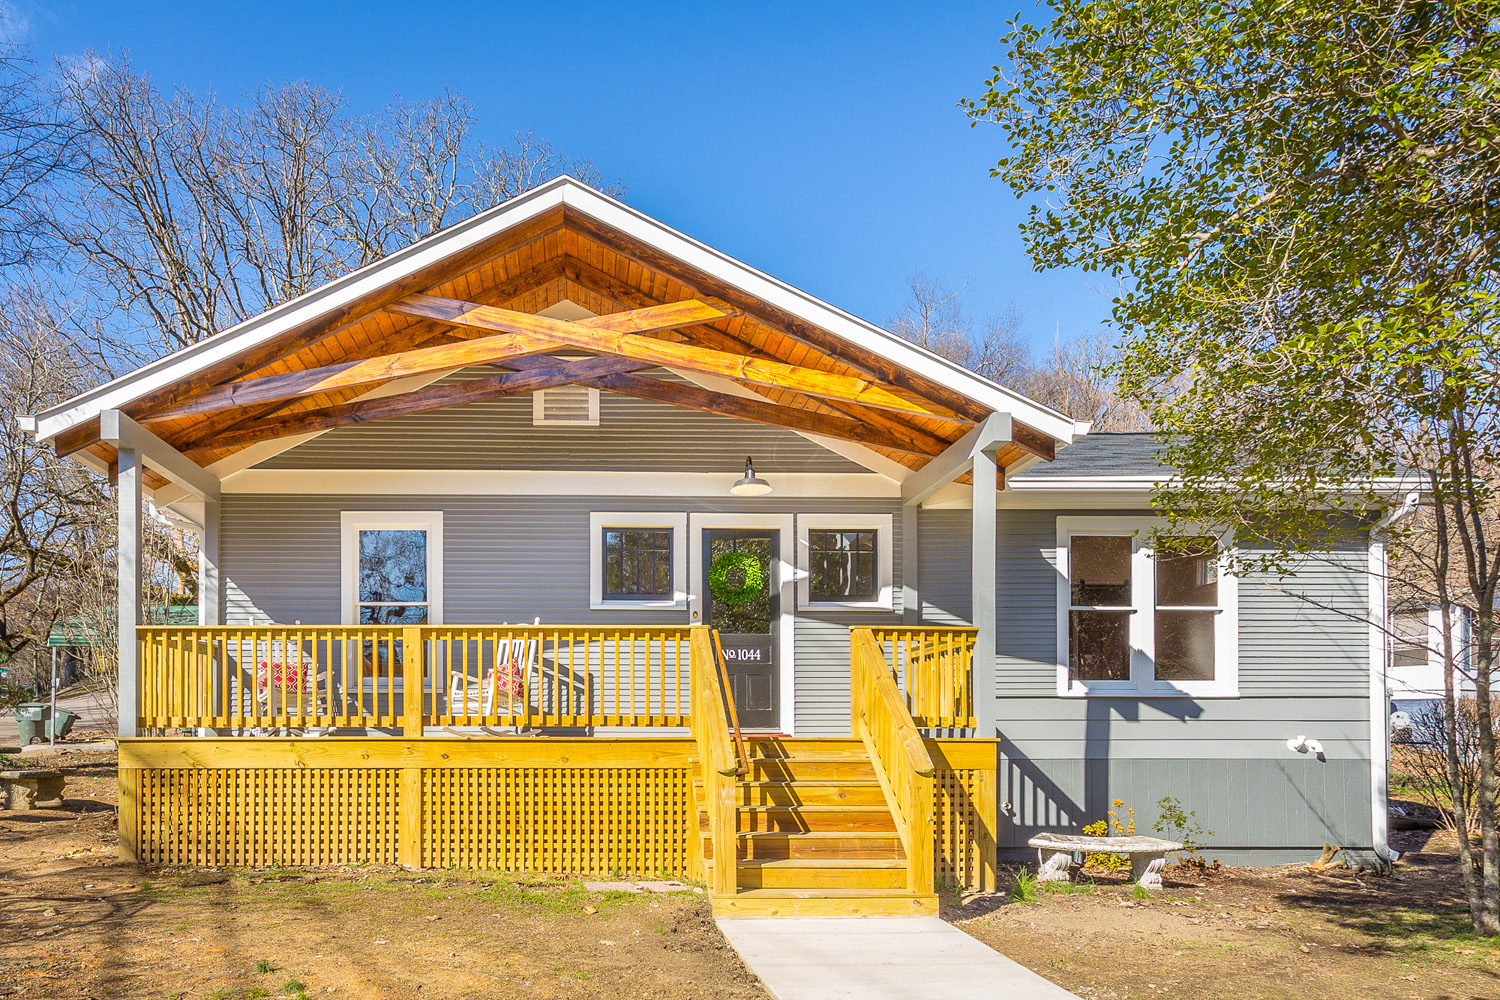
(497, 483)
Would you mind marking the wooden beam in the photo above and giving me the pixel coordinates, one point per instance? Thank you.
(547, 373)
(776, 415)
(873, 364)
(1037, 442)
(334, 320)
(351, 374)
(773, 373)
(526, 335)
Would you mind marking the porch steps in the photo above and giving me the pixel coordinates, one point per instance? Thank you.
(815, 835)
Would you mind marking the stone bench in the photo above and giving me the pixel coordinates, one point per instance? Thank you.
(32, 788)
(1148, 855)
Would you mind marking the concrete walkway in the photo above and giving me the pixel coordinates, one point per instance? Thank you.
(873, 958)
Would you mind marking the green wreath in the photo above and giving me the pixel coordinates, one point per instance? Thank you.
(718, 577)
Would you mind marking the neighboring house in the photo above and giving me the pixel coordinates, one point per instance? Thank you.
(543, 415)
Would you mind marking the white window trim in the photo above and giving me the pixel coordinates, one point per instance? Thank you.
(1142, 623)
(882, 525)
(600, 520)
(352, 522)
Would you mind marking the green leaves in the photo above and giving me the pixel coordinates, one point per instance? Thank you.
(1301, 201)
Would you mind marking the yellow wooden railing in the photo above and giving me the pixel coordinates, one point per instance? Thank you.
(282, 678)
(934, 666)
(900, 758)
(717, 763)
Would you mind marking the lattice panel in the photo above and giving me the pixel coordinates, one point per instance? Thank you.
(957, 829)
(264, 816)
(583, 820)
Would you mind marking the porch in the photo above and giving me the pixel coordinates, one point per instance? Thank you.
(583, 749)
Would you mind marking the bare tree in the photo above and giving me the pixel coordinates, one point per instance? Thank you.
(33, 148)
(934, 317)
(1077, 379)
(191, 214)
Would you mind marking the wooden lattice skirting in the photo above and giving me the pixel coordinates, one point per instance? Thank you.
(586, 806)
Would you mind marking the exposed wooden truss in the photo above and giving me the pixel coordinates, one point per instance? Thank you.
(485, 308)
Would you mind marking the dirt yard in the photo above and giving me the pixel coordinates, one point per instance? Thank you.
(1255, 934)
(75, 924)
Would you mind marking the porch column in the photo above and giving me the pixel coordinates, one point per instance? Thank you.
(982, 587)
(210, 609)
(911, 596)
(128, 601)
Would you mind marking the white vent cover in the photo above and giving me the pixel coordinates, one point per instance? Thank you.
(569, 404)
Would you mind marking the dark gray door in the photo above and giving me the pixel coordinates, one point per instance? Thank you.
(750, 627)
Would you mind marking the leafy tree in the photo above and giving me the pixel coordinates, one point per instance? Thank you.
(1300, 201)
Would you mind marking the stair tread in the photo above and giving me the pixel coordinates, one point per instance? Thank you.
(816, 807)
(777, 783)
(820, 834)
(822, 863)
(834, 892)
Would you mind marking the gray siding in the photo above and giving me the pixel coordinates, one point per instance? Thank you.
(1303, 668)
(1303, 665)
(511, 559)
(633, 434)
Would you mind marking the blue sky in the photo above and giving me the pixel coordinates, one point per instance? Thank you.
(818, 142)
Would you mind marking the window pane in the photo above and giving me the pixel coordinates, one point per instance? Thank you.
(1188, 578)
(392, 566)
(1409, 646)
(1100, 567)
(1099, 645)
(637, 563)
(841, 565)
(1185, 645)
(393, 614)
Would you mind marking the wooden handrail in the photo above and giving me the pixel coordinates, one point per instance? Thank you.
(934, 665)
(741, 760)
(716, 762)
(900, 757)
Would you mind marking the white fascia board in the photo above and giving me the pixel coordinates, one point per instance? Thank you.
(819, 313)
(278, 319)
(1388, 485)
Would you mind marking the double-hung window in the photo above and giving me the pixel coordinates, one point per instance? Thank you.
(1138, 619)
(392, 567)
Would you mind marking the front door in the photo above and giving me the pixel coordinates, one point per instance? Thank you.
(747, 614)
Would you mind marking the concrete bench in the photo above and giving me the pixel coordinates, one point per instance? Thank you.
(32, 788)
(1148, 855)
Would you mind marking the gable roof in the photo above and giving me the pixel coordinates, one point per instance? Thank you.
(562, 242)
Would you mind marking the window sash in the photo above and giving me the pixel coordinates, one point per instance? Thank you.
(626, 557)
(857, 549)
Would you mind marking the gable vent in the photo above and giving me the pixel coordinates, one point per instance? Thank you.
(575, 405)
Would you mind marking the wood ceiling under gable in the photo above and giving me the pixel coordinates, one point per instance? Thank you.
(487, 298)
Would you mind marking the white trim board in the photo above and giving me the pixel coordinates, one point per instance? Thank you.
(786, 575)
(677, 522)
(518, 482)
(883, 526)
(351, 522)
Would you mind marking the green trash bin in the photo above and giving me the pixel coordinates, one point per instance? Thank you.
(62, 722)
(31, 719)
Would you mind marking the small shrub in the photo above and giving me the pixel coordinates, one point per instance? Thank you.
(292, 987)
(1138, 892)
(1112, 827)
(264, 966)
(1026, 888)
(257, 993)
(1173, 823)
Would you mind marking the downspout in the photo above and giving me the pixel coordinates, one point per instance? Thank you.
(1380, 727)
